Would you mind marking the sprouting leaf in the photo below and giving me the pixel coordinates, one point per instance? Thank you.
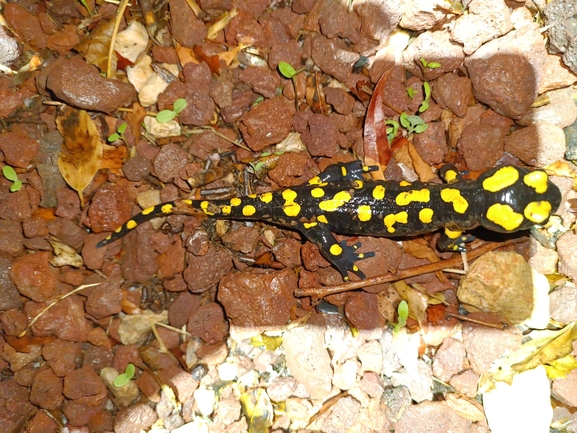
(425, 105)
(9, 173)
(179, 105)
(392, 129)
(423, 62)
(165, 116)
(81, 153)
(113, 137)
(122, 128)
(286, 70)
(16, 186)
(411, 92)
(404, 119)
(124, 378)
(420, 128)
(433, 65)
(403, 312)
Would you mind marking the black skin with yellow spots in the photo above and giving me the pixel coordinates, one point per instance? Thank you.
(504, 199)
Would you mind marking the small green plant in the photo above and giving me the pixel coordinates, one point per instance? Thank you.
(119, 134)
(10, 174)
(429, 65)
(413, 124)
(288, 71)
(425, 105)
(411, 92)
(124, 378)
(403, 312)
(85, 4)
(391, 130)
(167, 115)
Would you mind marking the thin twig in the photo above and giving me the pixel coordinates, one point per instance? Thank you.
(119, 15)
(321, 292)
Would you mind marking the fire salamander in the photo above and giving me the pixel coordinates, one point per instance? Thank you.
(505, 199)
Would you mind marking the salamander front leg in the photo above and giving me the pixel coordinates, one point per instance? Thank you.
(340, 255)
(454, 240)
(353, 170)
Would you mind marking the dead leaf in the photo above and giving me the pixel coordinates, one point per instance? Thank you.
(135, 329)
(81, 153)
(113, 158)
(95, 47)
(422, 169)
(559, 368)
(466, 408)
(134, 120)
(213, 62)
(258, 409)
(417, 301)
(185, 55)
(65, 255)
(219, 25)
(376, 146)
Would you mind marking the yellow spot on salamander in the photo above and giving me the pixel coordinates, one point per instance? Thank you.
(426, 215)
(187, 201)
(364, 212)
(451, 176)
(148, 210)
(204, 206)
(538, 180)
(537, 211)
(404, 198)
(322, 219)
(235, 201)
(336, 250)
(265, 197)
(310, 225)
(379, 192)
(315, 180)
(251, 196)
(337, 201)
(248, 210)
(317, 192)
(391, 219)
(290, 208)
(167, 208)
(504, 216)
(453, 234)
(130, 224)
(452, 195)
(226, 210)
(404, 183)
(117, 230)
(344, 171)
(502, 178)
(358, 184)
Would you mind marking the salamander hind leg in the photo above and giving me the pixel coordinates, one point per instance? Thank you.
(340, 255)
(454, 240)
(449, 173)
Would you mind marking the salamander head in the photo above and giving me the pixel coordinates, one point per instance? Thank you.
(517, 198)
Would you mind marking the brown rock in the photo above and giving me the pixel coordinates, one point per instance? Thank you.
(242, 239)
(9, 295)
(46, 390)
(67, 232)
(34, 277)
(109, 209)
(171, 262)
(15, 407)
(285, 52)
(180, 381)
(244, 28)
(500, 283)
(565, 390)
(79, 84)
(340, 99)
(481, 146)
(322, 135)
(449, 359)
(11, 239)
(65, 320)
(288, 252)
(134, 418)
(62, 356)
(136, 169)
(208, 323)
(181, 308)
(68, 203)
(63, 41)
(186, 28)
(268, 123)
(334, 57)
(149, 386)
(104, 300)
(18, 148)
(25, 25)
(431, 417)
(362, 309)
(263, 80)
(169, 161)
(203, 272)
(206, 143)
(454, 93)
(256, 298)
(294, 168)
(83, 382)
(13, 321)
(200, 107)
(42, 423)
(432, 144)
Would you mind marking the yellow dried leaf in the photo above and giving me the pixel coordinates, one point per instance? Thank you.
(95, 47)
(81, 152)
(258, 409)
(559, 368)
(221, 24)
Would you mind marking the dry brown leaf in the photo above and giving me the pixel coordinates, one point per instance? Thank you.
(418, 302)
(64, 255)
(135, 329)
(223, 21)
(185, 55)
(422, 169)
(81, 153)
(95, 47)
(134, 120)
(466, 408)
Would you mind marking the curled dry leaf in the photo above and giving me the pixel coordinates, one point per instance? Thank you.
(64, 255)
(135, 329)
(95, 47)
(221, 24)
(81, 153)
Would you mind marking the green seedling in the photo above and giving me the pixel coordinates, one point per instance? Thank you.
(391, 130)
(85, 4)
(167, 115)
(403, 312)
(411, 92)
(119, 134)
(10, 174)
(425, 105)
(413, 124)
(429, 65)
(288, 71)
(124, 378)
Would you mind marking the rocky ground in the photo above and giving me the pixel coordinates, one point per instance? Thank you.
(222, 321)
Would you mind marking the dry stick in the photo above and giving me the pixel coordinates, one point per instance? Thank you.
(320, 292)
(120, 13)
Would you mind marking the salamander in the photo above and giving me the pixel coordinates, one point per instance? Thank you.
(504, 199)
